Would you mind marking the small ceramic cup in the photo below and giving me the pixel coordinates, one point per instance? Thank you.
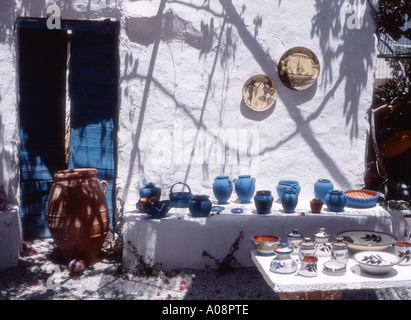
(402, 249)
(308, 266)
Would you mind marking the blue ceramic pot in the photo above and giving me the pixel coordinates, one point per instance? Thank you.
(289, 200)
(150, 190)
(322, 187)
(263, 201)
(200, 205)
(244, 187)
(336, 200)
(222, 189)
(288, 184)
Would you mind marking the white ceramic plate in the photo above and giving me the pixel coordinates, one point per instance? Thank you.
(376, 262)
(367, 239)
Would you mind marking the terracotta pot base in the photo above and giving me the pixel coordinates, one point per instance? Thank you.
(313, 295)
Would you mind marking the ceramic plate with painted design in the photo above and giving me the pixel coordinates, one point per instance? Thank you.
(367, 239)
(299, 68)
(259, 92)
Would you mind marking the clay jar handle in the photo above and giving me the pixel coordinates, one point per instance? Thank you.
(106, 183)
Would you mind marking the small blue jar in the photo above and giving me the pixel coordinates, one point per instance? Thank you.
(263, 201)
(200, 205)
(150, 190)
(289, 200)
(336, 200)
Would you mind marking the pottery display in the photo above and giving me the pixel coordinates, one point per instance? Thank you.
(200, 205)
(402, 249)
(288, 184)
(316, 205)
(366, 239)
(150, 190)
(283, 262)
(336, 200)
(294, 239)
(322, 187)
(263, 201)
(265, 244)
(376, 262)
(307, 248)
(339, 250)
(3, 198)
(289, 200)
(308, 266)
(77, 214)
(222, 189)
(244, 187)
(322, 246)
(180, 199)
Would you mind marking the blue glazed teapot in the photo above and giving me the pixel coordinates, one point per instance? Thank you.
(180, 199)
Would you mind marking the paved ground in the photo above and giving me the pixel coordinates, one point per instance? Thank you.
(42, 275)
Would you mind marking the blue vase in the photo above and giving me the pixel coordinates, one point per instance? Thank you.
(200, 205)
(288, 184)
(222, 189)
(244, 187)
(289, 200)
(263, 201)
(150, 190)
(322, 187)
(336, 200)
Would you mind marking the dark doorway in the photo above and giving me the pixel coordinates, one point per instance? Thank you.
(82, 56)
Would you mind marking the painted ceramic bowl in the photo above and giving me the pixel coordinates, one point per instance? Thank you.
(364, 240)
(265, 244)
(361, 198)
(376, 262)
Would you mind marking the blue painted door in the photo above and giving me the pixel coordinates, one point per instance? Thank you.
(93, 86)
(42, 80)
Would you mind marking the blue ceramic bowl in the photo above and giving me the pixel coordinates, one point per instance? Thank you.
(361, 198)
(157, 209)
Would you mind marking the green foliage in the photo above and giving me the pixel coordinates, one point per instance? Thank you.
(392, 16)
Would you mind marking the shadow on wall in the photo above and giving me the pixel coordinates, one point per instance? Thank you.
(355, 52)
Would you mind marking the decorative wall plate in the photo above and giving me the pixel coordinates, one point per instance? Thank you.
(259, 92)
(299, 68)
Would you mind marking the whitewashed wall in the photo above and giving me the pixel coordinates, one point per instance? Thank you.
(182, 68)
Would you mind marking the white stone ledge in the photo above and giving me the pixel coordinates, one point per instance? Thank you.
(10, 237)
(178, 240)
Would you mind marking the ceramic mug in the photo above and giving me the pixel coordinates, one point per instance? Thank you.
(308, 266)
(402, 249)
